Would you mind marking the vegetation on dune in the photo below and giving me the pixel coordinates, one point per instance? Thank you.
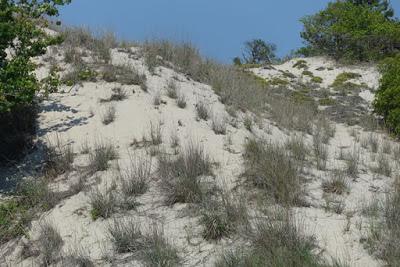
(387, 100)
(352, 30)
(21, 20)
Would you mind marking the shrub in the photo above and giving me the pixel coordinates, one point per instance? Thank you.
(300, 64)
(349, 31)
(387, 103)
(118, 94)
(316, 79)
(180, 177)
(270, 168)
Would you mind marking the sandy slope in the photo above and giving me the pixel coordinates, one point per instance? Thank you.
(75, 115)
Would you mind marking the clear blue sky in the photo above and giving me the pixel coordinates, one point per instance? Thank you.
(217, 27)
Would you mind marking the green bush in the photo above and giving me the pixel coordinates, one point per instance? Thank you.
(18, 83)
(351, 30)
(387, 99)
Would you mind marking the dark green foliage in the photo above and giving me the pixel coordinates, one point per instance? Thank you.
(382, 6)
(349, 31)
(387, 100)
(258, 51)
(18, 84)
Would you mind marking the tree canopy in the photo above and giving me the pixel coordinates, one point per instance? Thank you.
(21, 38)
(258, 51)
(353, 30)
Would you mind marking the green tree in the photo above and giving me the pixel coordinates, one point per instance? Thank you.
(258, 51)
(382, 6)
(387, 99)
(345, 30)
(21, 38)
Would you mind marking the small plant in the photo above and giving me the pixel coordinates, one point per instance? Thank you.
(180, 177)
(135, 177)
(181, 101)
(155, 134)
(151, 248)
(219, 125)
(49, 242)
(297, 147)
(300, 64)
(374, 143)
(386, 147)
(320, 152)
(118, 94)
(336, 184)
(100, 156)
(248, 123)
(384, 167)
(103, 204)
(308, 73)
(157, 99)
(221, 217)
(172, 91)
(352, 161)
(77, 256)
(59, 158)
(174, 140)
(316, 79)
(270, 168)
(202, 111)
(109, 115)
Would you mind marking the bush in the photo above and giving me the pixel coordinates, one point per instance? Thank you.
(349, 31)
(387, 101)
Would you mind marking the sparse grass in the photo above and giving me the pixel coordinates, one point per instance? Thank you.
(342, 80)
(297, 147)
(203, 112)
(118, 94)
(336, 184)
(386, 147)
(157, 99)
(99, 157)
(275, 243)
(384, 167)
(153, 248)
(172, 90)
(222, 216)
(174, 140)
(109, 115)
(333, 204)
(77, 256)
(374, 143)
(320, 151)
(181, 101)
(293, 115)
(352, 162)
(270, 168)
(219, 124)
(49, 242)
(155, 134)
(248, 123)
(307, 73)
(384, 235)
(123, 74)
(103, 202)
(136, 176)
(180, 177)
(59, 158)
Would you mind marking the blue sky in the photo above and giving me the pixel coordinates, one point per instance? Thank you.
(217, 27)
